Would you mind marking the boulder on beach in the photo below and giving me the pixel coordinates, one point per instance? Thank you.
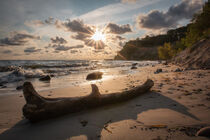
(45, 78)
(178, 70)
(94, 76)
(158, 71)
(205, 132)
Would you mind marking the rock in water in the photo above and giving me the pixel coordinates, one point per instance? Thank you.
(4, 87)
(94, 76)
(204, 132)
(84, 122)
(134, 64)
(19, 87)
(133, 67)
(45, 78)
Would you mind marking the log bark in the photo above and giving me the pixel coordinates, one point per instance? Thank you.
(40, 108)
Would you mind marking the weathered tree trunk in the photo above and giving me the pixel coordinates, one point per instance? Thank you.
(39, 108)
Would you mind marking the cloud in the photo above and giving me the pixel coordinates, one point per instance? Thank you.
(31, 50)
(34, 22)
(77, 47)
(118, 29)
(39, 23)
(50, 20)
(77, 26)
(119, 38)
(7, 52)
(60, 47)
(157, 19)
(58, 24)
(58, 40)
(74, 51)
(81, 36)
(128, 1)
(17, 39)
(83, 32)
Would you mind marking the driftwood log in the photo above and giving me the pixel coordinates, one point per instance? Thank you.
(39, 108)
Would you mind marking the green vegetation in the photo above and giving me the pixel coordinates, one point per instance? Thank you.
(168, 45)
(197, 30)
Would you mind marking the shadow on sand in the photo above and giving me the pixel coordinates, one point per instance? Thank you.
(68, 126)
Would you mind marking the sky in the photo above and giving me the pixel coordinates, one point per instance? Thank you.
(84, 29)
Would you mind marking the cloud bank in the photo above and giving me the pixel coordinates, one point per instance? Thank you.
(58, 40)
(157, 19)
(31, 50)
(118, 29)
(17, 39)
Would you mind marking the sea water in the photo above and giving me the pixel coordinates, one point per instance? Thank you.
(64, 73)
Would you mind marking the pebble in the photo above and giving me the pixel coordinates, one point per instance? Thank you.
(84, 122)
(19, 87)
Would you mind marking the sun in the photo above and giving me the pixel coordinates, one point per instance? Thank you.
(98, 36)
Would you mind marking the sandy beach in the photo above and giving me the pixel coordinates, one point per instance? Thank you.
(177, 106)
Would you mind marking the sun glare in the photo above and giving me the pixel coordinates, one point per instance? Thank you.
(98, 36)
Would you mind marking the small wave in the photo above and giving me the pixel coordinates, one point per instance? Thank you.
(7, 68)
(20, 74)
(36, 66)
(42, 66)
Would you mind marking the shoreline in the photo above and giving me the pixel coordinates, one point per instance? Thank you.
(177, 100)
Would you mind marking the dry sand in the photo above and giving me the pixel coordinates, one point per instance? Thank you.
(177, 106)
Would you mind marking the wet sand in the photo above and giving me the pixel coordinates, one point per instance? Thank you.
(176, 108)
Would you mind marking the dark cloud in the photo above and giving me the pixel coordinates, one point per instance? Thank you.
(77, 47)
(60, 47)
(17, 39)
(83, 32)
(118, 29)
(158, 19)
(81, 36)
(58, 40)
(31, 50)
(7, 52)
(78, 26)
